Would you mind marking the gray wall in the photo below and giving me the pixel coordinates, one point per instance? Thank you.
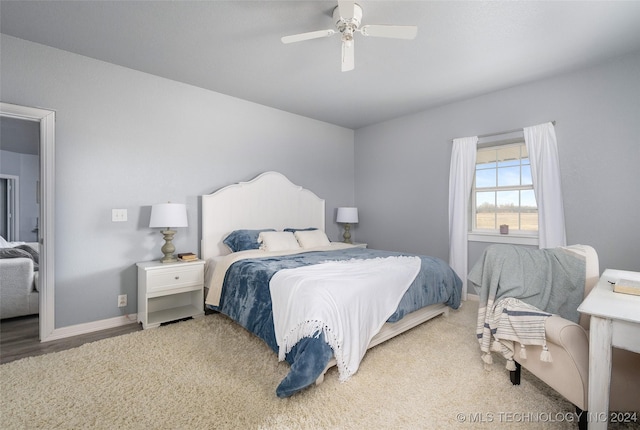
(126, 139)
(402, 165)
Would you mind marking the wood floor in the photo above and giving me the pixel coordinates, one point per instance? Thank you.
(19, 338)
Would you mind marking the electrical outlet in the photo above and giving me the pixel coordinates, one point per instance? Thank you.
(122, 300)
(118, 215)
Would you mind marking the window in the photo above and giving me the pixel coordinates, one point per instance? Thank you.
(503, 191)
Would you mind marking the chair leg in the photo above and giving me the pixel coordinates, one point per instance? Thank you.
(515, 374)
(582, 420)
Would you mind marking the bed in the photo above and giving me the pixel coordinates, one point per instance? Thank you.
(255, 287)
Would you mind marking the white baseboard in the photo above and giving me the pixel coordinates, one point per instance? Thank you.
(473, 297)
(90, 327)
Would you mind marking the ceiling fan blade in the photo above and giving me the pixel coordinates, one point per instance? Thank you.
(307, 36)
(346, 8)
(392, 31)
(348, 56)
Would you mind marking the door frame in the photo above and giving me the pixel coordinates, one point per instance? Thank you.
(46, 235)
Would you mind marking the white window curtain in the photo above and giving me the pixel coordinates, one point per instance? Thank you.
(461, 174)
(545, 172)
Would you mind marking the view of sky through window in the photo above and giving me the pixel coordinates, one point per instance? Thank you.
(504, 188)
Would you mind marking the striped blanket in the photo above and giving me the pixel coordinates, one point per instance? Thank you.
(510, 321)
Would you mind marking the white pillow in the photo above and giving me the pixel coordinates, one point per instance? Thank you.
(312, 238)
(278, 241)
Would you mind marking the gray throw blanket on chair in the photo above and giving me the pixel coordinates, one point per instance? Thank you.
(550, 280)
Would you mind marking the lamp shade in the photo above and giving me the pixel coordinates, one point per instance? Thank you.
(167, 215)
(347, 215)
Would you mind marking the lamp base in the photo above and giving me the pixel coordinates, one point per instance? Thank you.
(347, 233)
(168, 248)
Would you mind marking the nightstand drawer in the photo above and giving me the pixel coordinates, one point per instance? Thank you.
(158, 280)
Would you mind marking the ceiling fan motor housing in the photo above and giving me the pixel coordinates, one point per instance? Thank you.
(348, 25)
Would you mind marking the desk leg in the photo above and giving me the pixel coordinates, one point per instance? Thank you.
(599, 372)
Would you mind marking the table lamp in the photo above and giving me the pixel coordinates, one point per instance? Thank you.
(347, 216)
(168, 215)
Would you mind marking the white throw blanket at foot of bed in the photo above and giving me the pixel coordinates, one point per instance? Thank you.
(348, 301)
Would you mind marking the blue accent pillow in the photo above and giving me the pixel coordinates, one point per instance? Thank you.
(293, 230)
(242, 240)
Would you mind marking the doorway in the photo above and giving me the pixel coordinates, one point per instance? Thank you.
(45, 191)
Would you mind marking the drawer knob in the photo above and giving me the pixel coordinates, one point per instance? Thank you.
(177, 277)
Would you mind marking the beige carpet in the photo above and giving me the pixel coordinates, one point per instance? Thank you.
(210, 373)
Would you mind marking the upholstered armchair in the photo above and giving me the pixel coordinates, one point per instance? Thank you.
(568, 343)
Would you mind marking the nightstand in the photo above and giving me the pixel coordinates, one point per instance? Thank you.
(359, 245)
(169, 291)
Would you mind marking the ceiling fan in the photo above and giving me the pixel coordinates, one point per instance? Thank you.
(348, 16)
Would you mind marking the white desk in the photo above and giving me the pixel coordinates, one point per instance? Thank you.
(615, 321)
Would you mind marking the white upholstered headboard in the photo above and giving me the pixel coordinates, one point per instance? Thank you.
(269, 200)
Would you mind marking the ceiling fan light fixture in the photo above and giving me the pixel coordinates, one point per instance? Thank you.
(347, 35)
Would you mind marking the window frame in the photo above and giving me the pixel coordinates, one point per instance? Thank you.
(520, 237)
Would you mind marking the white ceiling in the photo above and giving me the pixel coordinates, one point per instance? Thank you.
(463, 49)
